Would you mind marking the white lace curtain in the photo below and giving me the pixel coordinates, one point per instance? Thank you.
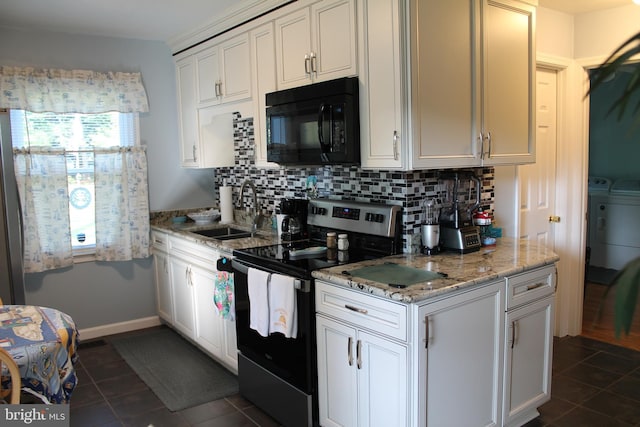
(120, 174)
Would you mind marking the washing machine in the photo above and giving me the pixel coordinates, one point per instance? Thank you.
(614, 228)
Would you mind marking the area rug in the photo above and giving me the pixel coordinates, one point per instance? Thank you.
(178, 373)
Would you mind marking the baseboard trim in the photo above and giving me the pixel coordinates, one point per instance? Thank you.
(117, 328)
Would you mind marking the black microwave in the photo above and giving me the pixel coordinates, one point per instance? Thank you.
(314, 124)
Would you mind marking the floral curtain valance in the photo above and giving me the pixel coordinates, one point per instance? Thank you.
(71, 91)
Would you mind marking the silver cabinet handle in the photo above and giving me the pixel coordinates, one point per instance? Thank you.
(513, 333)
(481, 141)
(349, 351)
(489, 141)
(359, 354)
(307, 64)
(194, 152)
(395, 145)
(218, 89)
(535, 286)
(314, 68)
(356, 309)
(427, 331)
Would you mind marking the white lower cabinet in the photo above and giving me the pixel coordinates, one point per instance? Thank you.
(362, 377)
(460, 359)
(185, 297)
(528, 349)
(476, 357)
(183, 310)
(162, 274)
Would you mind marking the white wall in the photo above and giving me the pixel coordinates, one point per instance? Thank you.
(554, 33)
(597, 34)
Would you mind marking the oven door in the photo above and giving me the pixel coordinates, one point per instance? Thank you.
(290, 359)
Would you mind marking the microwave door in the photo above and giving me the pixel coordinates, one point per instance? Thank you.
(325, 148)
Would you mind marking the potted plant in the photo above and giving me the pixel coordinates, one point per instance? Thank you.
(627, 281)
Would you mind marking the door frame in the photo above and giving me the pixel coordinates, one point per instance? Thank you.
(572, 164)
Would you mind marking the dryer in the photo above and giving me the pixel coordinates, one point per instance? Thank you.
(614, 229)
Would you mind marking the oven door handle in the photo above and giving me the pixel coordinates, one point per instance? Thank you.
(300, 284)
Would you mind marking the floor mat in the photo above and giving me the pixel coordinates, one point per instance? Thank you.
(178, 373)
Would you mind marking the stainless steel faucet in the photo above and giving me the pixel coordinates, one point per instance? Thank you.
(256, 213)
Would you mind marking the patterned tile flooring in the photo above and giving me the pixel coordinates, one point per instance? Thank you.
(594, 384)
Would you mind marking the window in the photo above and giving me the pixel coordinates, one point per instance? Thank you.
(78, 135)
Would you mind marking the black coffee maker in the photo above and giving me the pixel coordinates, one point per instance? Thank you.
(294, 225)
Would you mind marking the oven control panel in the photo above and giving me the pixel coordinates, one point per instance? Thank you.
(369, 218)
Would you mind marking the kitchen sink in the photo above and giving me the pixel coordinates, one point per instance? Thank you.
(224, 233)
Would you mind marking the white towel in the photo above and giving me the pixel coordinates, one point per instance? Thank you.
(282, 306)
(258, 287)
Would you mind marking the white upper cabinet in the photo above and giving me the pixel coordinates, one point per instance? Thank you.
(224, 72)
(382, 103)
(263, 61)
(316, 43)
(508, 90)
(472, 72)
(207, 80)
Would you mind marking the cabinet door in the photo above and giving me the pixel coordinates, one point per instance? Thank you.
(293, 48)
(183, 311)
(382, 381)
(509, 77)
(187, 111)
(461, 364)
(216, 138)
(235, 82)
(444, 73)
(337, 374)
(164, 298)
(333, 39)
(209, 332)
(528, 356)
(264, 81)
(382, 142)
(208, 64)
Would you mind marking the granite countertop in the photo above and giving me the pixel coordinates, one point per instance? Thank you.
(507, 257)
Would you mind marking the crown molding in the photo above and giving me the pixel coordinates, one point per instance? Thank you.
(231, 17)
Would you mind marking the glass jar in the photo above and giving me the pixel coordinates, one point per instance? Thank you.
(343, 242)
(331, 240)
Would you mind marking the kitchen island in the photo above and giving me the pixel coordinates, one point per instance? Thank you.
(470, 346)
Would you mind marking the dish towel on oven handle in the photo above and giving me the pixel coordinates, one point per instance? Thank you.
(258, 289)
(282, 305)
(223, 295)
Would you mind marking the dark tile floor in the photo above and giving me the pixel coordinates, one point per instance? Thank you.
(594, 384)
(110, 394)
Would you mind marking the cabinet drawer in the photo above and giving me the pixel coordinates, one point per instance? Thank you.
(193, 253)
(365, 311)
(160, 241)
(530, 286)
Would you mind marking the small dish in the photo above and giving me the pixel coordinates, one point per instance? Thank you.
(205, 217)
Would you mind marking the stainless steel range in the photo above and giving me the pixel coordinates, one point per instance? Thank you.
(279, 374)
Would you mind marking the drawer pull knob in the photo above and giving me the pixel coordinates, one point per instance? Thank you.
(356, 309)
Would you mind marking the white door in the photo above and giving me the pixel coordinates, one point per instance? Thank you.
(538, 180)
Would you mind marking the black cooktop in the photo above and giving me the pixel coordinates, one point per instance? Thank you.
(287, 258)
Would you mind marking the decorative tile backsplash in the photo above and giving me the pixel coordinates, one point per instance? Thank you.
(407, 189)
